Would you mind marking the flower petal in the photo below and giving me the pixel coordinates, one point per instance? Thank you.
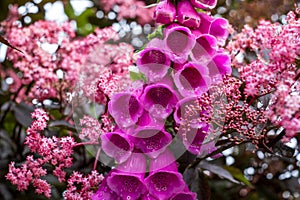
(165, 12)
(105, 193)
(151, 141)
(204, 4)
(163, 184)
(206, 46)
(117, 145)
(179, 41)
(187, 15)
(130, 165)
(165, 161)
(219, 29)
(193, 137)
(184, 196)
(219, 66)
(189, 111)
(125, 108)
(159, 100)
(126, 185)
(154, 63)
(192, 79)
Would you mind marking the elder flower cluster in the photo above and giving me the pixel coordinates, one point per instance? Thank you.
(54, 151)
(179, 69)
(266, 59)
(53, 61)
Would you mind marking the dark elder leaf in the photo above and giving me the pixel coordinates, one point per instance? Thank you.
(4, 192)
(197, 183)
(218, 170)
(22, 113)
(4, 41)
(283, 150)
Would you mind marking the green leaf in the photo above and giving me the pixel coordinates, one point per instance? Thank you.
(158, 33)
(237, 174)
(69, 10)
(137, 76)
(83, 24)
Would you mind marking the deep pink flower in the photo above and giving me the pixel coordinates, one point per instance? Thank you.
(146, 120)
(184, 196)
(159, 100)
(219, 29)
(204, 4)
(162, 184)
(192, 79)
(148, 197)
(205, 24)
(178, 42)
(187, 15)
(164, 180)
(190, 111)
(117, 145)
(206, 46)
(105, 193)
(125, 108)
(154, 63)
(126, 185)
(219, 65)
(193, 137)
(151, 141)
(165, 12)
(127, 180)
(130, 165)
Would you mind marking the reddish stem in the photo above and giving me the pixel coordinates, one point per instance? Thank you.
(86, 143)
(96, 160)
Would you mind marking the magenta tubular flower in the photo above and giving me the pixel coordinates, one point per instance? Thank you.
(165, 162)
(184, 196)
(219, 29)
(127, 181)
(105, 193)
(147, 120)
(126, 185)
(151, 141)
(219, 65)
(205, 23)
(178, 42)
(193, 138)
(125, 108)
(206, 46)
(192, 79)
(204, 4)
(165, 12)
(187, 15)
(159, 100)
(130, 165)
(117, 145)
(188, 111)
(164, 180)
(148, 197)
(154, 63)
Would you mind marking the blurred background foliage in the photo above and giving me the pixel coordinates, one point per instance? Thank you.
(241, 174)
